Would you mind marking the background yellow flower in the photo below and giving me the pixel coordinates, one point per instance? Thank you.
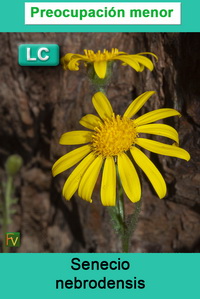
(100, 60)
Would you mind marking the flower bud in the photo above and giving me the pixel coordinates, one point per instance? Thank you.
(13, 164)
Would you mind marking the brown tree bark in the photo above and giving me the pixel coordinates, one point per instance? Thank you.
(38, 104)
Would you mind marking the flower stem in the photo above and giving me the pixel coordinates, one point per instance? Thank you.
(124, 226)
(6, 209)
(132, 223)
(121, 213)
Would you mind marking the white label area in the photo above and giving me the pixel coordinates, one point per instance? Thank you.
(102, 13)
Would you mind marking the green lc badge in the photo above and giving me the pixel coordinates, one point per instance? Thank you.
(38, 55)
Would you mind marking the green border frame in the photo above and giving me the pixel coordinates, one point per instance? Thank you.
(12, 20)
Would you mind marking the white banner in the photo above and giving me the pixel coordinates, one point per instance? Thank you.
(102, 13)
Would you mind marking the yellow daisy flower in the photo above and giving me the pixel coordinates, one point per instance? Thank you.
(100, 60)
(107, 143)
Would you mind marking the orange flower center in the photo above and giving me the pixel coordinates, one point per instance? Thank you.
(101, 56)
(114, 136)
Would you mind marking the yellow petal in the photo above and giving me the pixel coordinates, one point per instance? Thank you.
(72, 61)
(128, 60)
(81, 57)
(90, 121)
(70, 159)
(135, 106)
(89, 179)
(163, 149)
(100, 68)
(150, 170)
(73, 64)
(64, 60)
(141, 68)
(67, 57)
(108, 184)
(155, 115)
(144, 61)
(159, 129)
(72, 183)
(76, 137)
(102, 105)
(129, 178)
(148, 53)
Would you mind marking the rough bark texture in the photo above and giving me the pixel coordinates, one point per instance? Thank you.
(38, 104)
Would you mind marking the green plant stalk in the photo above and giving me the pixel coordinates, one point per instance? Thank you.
(124, 236)
(127, 225)
(121, 213)
(133, 220)
(6, 209)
